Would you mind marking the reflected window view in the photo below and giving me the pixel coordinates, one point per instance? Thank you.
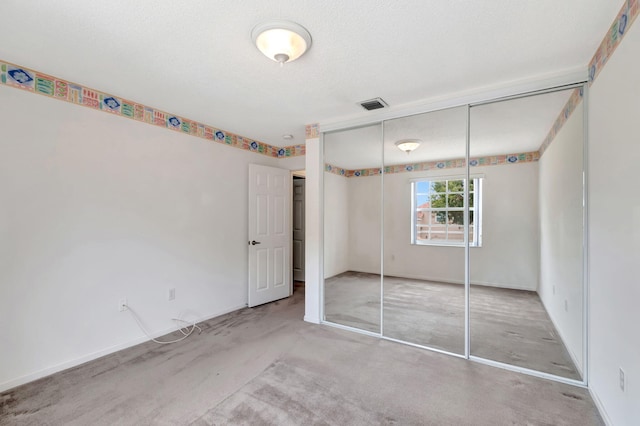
(397, 224)
(424, 204)
(439, 211)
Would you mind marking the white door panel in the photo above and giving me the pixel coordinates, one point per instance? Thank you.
(269, 234)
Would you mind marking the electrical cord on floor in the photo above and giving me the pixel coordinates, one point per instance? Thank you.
(186, 331)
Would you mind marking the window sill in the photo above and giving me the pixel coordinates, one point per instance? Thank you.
(445, 245)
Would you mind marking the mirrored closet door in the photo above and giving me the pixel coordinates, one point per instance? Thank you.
(353, 227)
(404, 202)
(526, 272)
(424, 180)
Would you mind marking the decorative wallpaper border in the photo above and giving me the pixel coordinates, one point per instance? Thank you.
(627, 15)
(312, 131)
(567, 110)
(36, 82)
(612, 39)
(619, 28)
(496, 160)
(336, 170)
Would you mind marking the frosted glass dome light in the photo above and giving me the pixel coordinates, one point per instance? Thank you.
(408, 145)
(281, 41)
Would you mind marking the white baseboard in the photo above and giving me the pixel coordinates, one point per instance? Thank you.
(445, 280)
(600, 407)
(336, 274)
(564, 341)
(95, 355)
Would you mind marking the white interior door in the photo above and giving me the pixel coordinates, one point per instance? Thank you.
(298, 229)
(269, 234)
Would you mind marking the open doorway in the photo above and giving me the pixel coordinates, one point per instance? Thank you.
(298, 224)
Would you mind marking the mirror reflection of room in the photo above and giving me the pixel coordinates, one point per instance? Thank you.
(424, 202)
(400, 189)
(352, 197)
(526, 292)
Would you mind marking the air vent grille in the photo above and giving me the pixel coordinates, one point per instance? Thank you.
(372, 104)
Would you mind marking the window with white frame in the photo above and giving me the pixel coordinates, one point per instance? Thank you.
(438, 211)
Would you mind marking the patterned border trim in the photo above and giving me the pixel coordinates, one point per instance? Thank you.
(569, 107)
(336, 170)
(627, 15)
(619, 28)
(496, 160)
(43, 84)
(311, 131)
(36, 82)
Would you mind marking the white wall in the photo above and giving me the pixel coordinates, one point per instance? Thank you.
(336, 225)
(291, 163)
(509, 253)
(313, 265)
(561, 262)
(614, 232)
(509, 256)
(94, 208)
(365, 223)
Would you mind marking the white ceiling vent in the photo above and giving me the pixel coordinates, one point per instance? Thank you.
(372, 104)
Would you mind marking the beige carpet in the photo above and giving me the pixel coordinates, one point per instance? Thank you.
(265, 366)
(509, 326)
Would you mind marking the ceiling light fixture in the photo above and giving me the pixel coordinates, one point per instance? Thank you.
(281, 41)
(408, 145)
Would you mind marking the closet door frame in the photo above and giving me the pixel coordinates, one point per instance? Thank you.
(579, 83)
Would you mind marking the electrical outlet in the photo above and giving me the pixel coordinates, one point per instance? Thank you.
(554, 289)
(171, 294)
(122, 304)
(566, 305)
(622, 382)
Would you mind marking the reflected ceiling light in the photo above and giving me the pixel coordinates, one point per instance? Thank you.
(408, 145)
(281, 41)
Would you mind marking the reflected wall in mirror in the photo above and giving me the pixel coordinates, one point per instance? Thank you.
(424, 202)
(526, 294)
(352, 227)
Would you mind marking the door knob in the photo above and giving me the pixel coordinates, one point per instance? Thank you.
(254, 242)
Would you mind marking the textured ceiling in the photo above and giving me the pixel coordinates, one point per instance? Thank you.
(196, 58)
